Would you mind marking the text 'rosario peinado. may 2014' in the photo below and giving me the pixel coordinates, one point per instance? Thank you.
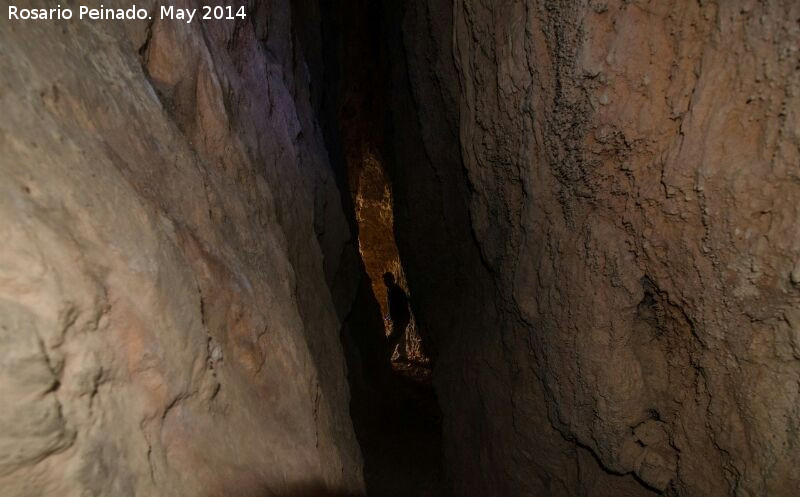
(133, 12)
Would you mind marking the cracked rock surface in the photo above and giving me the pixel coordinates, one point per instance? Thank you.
(167, 322)
(596, 205)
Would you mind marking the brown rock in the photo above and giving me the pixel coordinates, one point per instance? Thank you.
(627, 172)
(166, 323)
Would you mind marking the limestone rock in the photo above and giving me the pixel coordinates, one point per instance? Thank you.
(166, 315)
(628, 173)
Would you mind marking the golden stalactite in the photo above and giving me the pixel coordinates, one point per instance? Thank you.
(372, 199)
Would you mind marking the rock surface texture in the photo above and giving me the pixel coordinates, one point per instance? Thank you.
(173, 245)
(596, 204)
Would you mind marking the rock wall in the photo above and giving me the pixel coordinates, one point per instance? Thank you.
(596, 208)
(173, 245)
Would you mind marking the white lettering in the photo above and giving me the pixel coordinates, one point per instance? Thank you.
(102, 13)
(38, 14)
(113, 14)
(180, 14)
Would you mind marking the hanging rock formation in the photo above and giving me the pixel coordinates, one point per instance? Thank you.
(171, 235)
(596, 205)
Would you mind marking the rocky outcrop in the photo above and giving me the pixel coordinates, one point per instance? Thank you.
(595, 207)
(593, 202)
(173, 245)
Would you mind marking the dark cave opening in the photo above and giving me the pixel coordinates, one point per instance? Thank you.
(394, 407)
(586, 207)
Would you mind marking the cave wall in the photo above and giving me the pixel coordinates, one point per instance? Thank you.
(174, 266)
(596, 208)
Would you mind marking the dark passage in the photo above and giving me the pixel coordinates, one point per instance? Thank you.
(350, 248)
(394, 407)
(398, 427)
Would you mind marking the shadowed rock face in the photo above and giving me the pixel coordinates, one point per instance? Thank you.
(171, 228)
(595, 204)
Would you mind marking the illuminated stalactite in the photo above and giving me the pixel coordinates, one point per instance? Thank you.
(373, 205)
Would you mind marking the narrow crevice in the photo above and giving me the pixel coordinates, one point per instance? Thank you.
(430, 248)
(394, 407)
